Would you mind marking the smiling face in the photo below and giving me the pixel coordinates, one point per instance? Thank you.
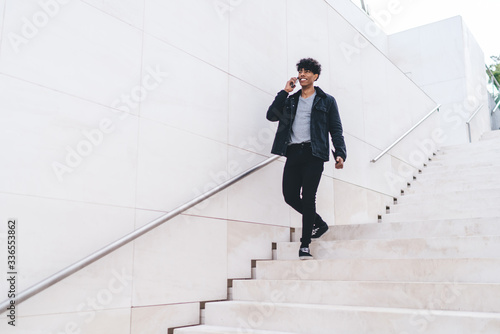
(307, 77)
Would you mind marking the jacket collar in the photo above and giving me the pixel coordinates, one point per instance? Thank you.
(319, 92)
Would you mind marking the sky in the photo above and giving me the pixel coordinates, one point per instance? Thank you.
(480, 16)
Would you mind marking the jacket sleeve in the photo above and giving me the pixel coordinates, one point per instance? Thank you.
(275, 111)
(336, 131)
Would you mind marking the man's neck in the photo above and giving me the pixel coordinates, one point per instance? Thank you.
(307, 91)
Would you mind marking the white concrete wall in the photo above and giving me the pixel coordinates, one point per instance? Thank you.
(368, 29)
(116, 112)
(445, 60)
(476, 79)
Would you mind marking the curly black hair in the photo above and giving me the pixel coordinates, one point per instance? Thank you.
(309, 64)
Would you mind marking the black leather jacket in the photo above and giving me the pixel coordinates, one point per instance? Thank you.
(325, 119)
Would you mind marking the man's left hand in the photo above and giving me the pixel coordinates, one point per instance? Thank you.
(339, 163)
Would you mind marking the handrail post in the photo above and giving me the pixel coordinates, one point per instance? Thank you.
(496, 107)
(492, 77)
(470, 119)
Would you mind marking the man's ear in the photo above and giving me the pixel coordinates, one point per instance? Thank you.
(317, 76)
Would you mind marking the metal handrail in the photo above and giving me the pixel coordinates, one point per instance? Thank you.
(496, 107)
(495, 83)
(470, 120)
(364, 6)
(492, 77)
(405, 134)
(51, 280)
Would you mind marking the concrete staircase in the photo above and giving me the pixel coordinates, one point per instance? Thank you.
(431, 266)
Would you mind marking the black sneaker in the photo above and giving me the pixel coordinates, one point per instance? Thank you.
(304, 254)
(317, 232)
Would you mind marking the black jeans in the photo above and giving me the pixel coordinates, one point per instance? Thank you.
(303, 172)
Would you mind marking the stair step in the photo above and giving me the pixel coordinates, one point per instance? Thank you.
(491, 135)
(437, 214)
(487, 155)
(456, 204)
(449, 296)
(487, 142)
(476, 147)
(461, 174)
(490, 179)
(417, 229)
(483, 153)
(450, 196)
(465, 163)
(387, 270)
(204, 329)
(436, 188)
(469, 153)
(328, 319)
(421, 248)
(471, 147)
(461, 165)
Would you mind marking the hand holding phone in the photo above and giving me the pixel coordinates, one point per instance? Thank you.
(290, 85)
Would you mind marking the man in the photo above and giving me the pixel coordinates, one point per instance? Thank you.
(305, 120)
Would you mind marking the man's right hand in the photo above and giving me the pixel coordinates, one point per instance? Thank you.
(288, 86)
